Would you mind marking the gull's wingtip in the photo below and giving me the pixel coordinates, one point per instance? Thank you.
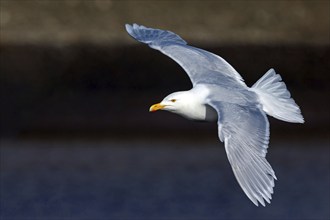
(155, 38)
(132, 29)
(128, 28)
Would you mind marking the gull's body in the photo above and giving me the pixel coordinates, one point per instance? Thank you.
(220, 94)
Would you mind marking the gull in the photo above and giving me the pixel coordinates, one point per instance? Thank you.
(220, 94)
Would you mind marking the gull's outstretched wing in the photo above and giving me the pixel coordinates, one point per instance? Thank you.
(200, 65)
(245, 131)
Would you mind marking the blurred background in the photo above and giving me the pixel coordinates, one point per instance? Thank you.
(78, 142)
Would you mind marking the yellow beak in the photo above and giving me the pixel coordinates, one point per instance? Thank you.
(156, 107)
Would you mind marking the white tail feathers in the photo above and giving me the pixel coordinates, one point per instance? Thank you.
(276, 99)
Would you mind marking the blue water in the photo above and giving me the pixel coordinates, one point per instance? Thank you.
(155, 179)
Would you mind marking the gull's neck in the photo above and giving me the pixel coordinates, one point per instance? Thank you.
(193, 105)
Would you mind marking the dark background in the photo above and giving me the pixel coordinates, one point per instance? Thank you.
(77, 140)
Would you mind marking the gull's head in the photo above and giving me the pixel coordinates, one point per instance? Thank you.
(173, 102)
(188, 104)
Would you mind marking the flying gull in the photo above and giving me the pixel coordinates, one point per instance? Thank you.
(220, 94)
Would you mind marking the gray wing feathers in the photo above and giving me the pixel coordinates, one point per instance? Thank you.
(245, 132)
(204, 67)
(253, 173)
(200, 65)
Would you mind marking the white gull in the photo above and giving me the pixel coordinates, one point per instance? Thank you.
(220, 94)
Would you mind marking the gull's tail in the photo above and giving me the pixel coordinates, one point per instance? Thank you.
(276, 99)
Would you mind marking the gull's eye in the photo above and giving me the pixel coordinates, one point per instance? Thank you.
(173, 100)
